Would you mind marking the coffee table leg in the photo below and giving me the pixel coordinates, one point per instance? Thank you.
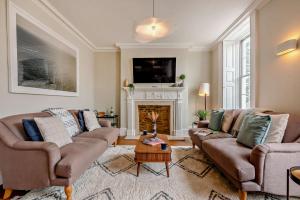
(138, 168)
(167, 168)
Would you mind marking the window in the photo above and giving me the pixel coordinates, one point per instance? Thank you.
(237, 68)
(245, 74)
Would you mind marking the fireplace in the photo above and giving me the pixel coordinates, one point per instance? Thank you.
(160, 99)
(163, 122)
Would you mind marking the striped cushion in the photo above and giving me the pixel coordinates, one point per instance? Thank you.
(67, 118)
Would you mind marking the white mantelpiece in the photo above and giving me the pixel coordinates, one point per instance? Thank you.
(155, 95)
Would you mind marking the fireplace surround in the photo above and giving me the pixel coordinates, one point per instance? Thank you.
(155, 96)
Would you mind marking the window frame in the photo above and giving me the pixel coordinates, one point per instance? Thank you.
(241, 76)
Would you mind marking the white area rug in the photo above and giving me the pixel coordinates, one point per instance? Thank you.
(113, 177)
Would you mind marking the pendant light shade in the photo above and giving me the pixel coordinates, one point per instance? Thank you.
(151, 29)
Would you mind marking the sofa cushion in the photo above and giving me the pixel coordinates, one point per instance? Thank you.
(90, 120)
(110, 135)
(277, 127)
(78, 156)
(81, 121)
(67, 118)
(238, 123)
(254, 130)
(197, 138)
(32, 130)
(232, 157)
(53, 130)
(215, 121)
(227, 120)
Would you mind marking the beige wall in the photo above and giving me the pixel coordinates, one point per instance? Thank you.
(20, 103)
(278, 77)
(216, 77)
(107, 81)
(198, 71)
(277, 80)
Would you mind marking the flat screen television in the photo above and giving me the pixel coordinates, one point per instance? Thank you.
(154, 70)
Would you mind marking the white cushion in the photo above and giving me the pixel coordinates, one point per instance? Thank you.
(53, 130)
(91, 122)
(67, 118)
(277, 128)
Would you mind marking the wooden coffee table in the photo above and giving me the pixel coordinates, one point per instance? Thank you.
(148, 153)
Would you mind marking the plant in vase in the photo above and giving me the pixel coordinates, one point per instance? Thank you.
(131, 88)
(182, 78)
(153, 117)
(201, 114)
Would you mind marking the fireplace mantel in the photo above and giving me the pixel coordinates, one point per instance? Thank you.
(154, 94)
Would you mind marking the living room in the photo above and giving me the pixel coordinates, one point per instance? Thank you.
(85, 87)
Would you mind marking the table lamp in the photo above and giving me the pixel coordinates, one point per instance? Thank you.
(204, 91)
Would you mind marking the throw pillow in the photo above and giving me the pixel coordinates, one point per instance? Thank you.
(53, 130)
(32, 130)
(227, 120)
(90, 120)
(81, 120)
(216, 120)
(277, 128)
(67, 118)
(237, 125)
(254, 130)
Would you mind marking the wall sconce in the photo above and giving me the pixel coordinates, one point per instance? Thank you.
(286, 47)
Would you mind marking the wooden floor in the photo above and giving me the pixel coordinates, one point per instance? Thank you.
(121, 141)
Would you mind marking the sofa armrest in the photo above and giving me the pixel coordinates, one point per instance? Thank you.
(271, 161)
(105, 123)
(27, 165)
(203, 124)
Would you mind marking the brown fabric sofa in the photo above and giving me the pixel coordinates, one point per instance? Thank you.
(262, 168)
(27, 165)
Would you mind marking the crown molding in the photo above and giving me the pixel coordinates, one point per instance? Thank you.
(55, 14)
(188, 46)
(107, 49)
(154, 45)
(256, 5)
(200, 48)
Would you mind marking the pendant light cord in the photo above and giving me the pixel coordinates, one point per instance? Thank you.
(153, 9)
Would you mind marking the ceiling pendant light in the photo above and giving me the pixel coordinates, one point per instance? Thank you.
(152, 28)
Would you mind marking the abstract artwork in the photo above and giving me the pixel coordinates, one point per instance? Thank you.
(41, 61)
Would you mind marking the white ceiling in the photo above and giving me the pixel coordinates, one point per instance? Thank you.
(107, 22)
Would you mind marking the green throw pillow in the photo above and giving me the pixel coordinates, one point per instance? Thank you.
(254, 130)
(215, 122)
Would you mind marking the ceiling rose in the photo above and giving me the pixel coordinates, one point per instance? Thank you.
(151, 29)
